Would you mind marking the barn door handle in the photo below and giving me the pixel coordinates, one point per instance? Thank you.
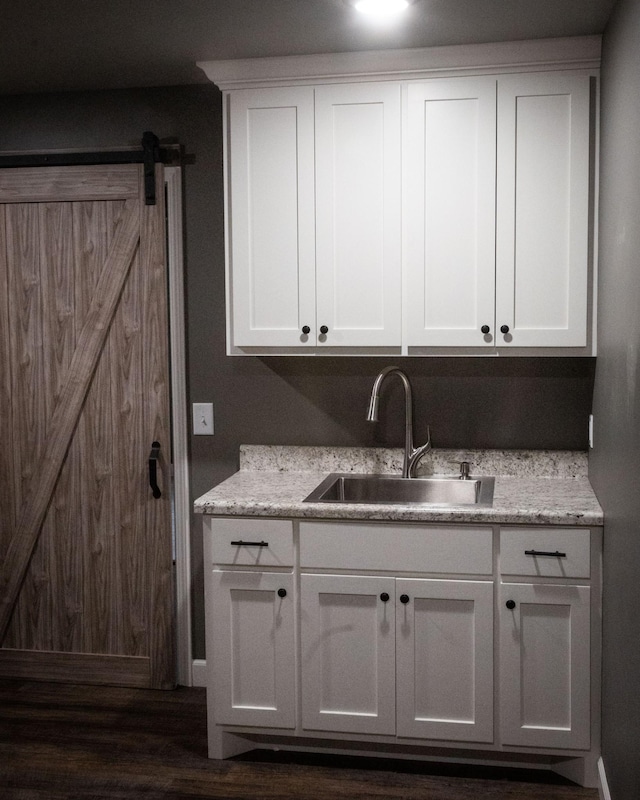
(154, 455)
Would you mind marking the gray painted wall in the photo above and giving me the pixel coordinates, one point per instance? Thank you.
(614, 461)
(468, 402)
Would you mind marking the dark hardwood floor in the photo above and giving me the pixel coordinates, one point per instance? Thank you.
(59, 741)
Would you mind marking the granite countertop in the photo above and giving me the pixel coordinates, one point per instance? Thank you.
(532, 486)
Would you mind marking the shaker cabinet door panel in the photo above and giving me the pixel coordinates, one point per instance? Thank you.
(543, 210)
(358, 214)
(250, 649)
(271, 216)
(348, 653)
(450, 212)
(544, 666)
(445, 659)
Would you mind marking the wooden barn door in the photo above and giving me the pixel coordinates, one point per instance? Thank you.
(86, 583)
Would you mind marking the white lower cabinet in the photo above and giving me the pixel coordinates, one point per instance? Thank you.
(348, 653)
(411, 657)
(384, 632)
(545, 636)
(544, 667)
(253, 654)
(444, 645)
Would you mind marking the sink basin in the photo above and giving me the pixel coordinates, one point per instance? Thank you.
(391, 489)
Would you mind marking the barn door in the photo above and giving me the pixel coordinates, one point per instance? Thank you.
(86, 587)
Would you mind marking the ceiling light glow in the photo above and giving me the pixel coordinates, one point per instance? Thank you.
(381, 8)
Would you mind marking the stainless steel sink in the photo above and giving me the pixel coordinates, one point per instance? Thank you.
(391, 489)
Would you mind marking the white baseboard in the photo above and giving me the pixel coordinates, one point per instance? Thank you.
(199, 672)
(603, 786)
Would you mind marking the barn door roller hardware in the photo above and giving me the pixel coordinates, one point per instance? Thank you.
(148, 155)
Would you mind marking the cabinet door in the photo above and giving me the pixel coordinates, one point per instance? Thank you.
(445, 659)
(348, 653)
(545, 666)
(250, 648)
(270, 216)
(542, 210)
(450, 212)
(358, 214)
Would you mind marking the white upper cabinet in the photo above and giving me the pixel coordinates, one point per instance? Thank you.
(450, 211)
(387, 205)
(270, 216)
(314, 216)
(358, 214)
(543, 210)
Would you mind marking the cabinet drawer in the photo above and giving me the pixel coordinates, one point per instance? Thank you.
(252, 542)
(399, 548)
(548, 552)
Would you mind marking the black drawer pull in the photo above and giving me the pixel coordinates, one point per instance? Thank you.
(250, 544)
(557, 553)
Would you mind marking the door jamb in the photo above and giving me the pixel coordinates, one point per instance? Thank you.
(179, 421)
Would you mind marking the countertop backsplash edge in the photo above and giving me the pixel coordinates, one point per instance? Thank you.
(439, 461)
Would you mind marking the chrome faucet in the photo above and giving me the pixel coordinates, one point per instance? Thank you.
(412, 455)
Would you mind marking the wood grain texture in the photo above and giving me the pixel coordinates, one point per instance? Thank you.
(90, 743)
(130, 453)
(99, 582)
(97, 512)
(7, 508)
(54, 550)
(155, 377)
(27, 371)
(65, 417)
(87, 668)
(58, 184)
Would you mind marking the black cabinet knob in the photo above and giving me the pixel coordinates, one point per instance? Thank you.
(384, 597)
(404, 599)
(504, 329)
(306, 329)
(282, 592)
(485, 329)
(510, 604)
(324, 329)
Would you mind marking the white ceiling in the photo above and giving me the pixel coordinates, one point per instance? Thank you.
(50, 45)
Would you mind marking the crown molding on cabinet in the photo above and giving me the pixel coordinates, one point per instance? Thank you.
(576, 52)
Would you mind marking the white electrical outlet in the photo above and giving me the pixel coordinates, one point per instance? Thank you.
(203, 419)
(591, 430)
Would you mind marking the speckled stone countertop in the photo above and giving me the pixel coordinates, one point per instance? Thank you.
(532, 486)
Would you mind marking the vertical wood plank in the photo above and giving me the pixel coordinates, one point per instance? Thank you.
(155, 380)
(29, 414)
(129, 454)
(57, 548)
(7, 510)
(91, 238)
(94, 225)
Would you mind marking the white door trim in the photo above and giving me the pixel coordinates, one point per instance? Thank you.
(179, 422)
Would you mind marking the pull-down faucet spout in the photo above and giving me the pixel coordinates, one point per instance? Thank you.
(412, 455)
